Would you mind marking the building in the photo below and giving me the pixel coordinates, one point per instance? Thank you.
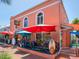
(6, 28)
(50, 12)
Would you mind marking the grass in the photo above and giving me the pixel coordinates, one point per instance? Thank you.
(5, 55)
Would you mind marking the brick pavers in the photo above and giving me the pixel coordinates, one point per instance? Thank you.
(21, 55)
(74, 57)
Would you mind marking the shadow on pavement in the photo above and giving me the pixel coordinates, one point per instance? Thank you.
(32, 57)
(20, 52)
(4, 46)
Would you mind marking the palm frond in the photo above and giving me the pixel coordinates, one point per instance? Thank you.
(6, 1)
(75, 21)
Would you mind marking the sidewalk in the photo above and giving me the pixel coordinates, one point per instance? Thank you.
(21, 55)
(74, 57)
(18, 54)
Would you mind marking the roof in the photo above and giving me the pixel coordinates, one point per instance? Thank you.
(75, 26)
(35, 8)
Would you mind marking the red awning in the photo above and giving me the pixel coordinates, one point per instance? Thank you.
(6, 32)
(40, 28)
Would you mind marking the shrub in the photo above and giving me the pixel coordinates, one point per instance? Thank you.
(5, 55)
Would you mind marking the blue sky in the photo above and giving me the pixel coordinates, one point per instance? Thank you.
(18, 6)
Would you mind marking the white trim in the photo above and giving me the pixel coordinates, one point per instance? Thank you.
(36, 16)
(52, 4)
(24, 19)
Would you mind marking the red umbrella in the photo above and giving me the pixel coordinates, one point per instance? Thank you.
(40, 28)
(6, 32)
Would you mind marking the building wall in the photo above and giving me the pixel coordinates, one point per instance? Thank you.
(54, 14)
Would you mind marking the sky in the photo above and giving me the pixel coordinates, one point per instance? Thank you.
(18, 6)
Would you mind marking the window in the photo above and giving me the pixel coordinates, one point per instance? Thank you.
(25, 22)
(41, 38)
(40, 18)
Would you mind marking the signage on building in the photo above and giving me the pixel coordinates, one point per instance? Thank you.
(17, 23)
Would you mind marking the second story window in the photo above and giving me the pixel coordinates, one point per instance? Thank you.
(25, 22)
(40, 18)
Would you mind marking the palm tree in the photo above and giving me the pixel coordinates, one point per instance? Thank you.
(75, 21)
(6, 1)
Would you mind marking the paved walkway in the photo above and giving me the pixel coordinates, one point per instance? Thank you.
(18, 54)
(74, 57)
(21, 55)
